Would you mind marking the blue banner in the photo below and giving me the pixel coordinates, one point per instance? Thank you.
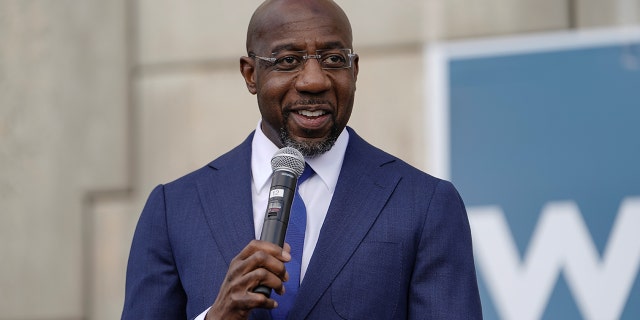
(544, 146)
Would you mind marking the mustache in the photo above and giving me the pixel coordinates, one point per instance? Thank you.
(306, 102)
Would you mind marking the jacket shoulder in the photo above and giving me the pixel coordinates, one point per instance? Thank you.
(238, 157)
(377, 158)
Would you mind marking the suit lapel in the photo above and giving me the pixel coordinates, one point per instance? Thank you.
(226, 199)
(361, 192)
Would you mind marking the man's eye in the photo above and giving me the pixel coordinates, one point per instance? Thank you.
(334, 60)
(288, 62)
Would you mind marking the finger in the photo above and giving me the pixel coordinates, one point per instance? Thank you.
(236, 293)
(255, 255)
(286, 252)
(257, 245)
(258, 268)
(265, 278)
(261, 256)
(262, 260)
(247, 300)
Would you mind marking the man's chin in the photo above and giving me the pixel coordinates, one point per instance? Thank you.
(309, 147)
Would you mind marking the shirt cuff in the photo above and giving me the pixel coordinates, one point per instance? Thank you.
(202, 315)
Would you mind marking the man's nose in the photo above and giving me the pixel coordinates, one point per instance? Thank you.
(312, 78)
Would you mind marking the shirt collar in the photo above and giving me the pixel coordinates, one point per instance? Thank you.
(327, 165)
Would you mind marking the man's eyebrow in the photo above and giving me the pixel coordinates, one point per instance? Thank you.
(285, 47)
(333, 45)
(294, 47)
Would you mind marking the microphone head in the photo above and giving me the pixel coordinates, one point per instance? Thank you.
(289, 159)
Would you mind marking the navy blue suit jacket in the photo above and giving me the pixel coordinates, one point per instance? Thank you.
(395, 243)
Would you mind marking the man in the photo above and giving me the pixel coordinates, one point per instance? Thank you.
(383, 240)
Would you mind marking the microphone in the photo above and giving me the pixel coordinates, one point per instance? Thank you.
(287, 165)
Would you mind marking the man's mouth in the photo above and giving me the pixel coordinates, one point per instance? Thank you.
(308, 113)
(312, 121)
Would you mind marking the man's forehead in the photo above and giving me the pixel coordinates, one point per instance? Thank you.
(276, 42)
(291, 45)
(287, 6)
(277, 22)
(298, 18)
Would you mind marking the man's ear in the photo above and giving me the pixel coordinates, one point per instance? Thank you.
(356, 68)
(248, 70)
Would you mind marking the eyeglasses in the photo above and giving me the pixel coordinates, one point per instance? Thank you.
(290, 61)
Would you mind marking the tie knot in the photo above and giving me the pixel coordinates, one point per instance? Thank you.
(308, 172)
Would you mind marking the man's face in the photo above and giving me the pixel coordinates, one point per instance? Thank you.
(307, 108)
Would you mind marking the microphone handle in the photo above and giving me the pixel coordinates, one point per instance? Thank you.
(276, 218)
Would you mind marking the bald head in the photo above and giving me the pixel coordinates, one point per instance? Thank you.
(306, 107)
(276, 16)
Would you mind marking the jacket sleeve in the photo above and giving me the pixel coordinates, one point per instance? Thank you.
(153, 288)
(444, 285)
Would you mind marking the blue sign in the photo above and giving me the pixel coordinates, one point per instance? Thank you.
(543, 142)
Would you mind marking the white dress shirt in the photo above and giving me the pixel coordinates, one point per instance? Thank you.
(317, 191)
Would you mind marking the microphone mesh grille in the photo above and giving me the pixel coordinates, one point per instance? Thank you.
(290, 159)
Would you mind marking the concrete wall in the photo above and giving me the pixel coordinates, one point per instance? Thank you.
(63, 136)
(102, 100)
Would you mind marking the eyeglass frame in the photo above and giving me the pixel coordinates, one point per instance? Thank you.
(305, 57)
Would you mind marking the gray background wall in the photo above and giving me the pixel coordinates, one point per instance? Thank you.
(102, 100)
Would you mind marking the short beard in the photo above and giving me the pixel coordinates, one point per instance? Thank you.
(310, 149)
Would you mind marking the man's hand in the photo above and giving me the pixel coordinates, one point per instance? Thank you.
(259, 263)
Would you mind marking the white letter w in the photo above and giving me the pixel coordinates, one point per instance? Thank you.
(561, 241)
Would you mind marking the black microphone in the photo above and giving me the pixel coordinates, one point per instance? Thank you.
(287, 165)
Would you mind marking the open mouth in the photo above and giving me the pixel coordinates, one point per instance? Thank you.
(308, 113)
(312, 122)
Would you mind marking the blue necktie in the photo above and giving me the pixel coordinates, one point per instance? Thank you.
(295, 238)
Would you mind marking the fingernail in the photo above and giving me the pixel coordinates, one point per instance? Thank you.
(286, 255)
